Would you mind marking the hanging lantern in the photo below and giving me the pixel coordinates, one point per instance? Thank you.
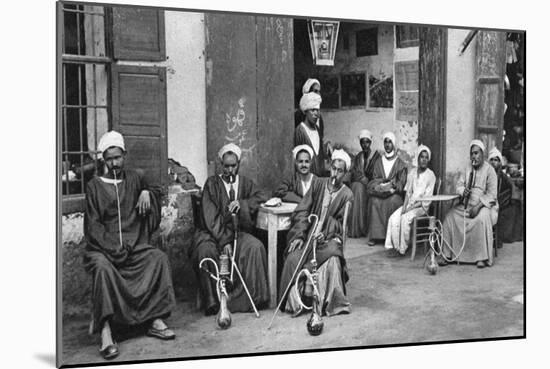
(322, 39)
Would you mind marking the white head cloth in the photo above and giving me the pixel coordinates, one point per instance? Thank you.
(309, 83)
(230, 147)
(310, 101)
(391, 137)
(478, 143)
(110, 139)
(365, 133)
(299, 148)
(342, 155)
(424, 148)
(494, 153)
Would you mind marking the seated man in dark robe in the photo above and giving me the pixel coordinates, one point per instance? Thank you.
(223, 196)
(386, 190)
(294, 188)
(357, 179)
(506, 213)
(131, 281)
(327, 199)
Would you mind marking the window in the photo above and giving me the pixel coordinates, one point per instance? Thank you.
(85, 111)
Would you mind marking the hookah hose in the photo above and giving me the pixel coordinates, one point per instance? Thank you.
(437, 238)
(118, 209)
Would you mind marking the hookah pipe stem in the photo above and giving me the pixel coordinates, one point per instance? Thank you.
(235, 231)
(315, 221)
(234, 253)
(118, 210)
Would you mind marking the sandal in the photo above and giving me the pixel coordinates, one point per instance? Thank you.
(163, 334)
(110, 352)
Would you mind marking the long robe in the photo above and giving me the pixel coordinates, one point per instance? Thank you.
(479, 230)
(131, 284)
(399, 225)
(507, 210)
(318, 160)
(216, 230)
(359, 177)
(330, 254)
(291, 190)
(381, 205)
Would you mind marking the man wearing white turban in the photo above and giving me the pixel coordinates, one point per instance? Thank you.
(476, 213)
(311, 85)
(420, 183)
(294, 188)
(327, 198)
(386, 189)
(132, 282)
(358, 179)
(308, 133)
(224, 196)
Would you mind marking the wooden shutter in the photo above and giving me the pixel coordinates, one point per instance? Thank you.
(138, 34)
(490, 70)
(139, 113)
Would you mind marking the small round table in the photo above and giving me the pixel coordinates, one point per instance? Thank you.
(274, 219)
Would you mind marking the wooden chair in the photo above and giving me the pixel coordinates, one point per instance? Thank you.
(420, 229)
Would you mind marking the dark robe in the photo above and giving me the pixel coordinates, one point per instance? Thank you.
(291, 190)
(331, 246)
(318, 160)
(131, 284)
(381, 205)
(216, 230)
(507, 212)
(359, 177)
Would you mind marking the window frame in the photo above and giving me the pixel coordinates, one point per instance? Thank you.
(72, 203)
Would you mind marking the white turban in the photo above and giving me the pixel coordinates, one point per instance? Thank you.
(299, 148)
(309, 83)
(365, 133)
(310, 101)
(342, 155)
(423, 148)
(230, 147)
(494, 153)
(391, 137)
(110, 139)
(478, 143)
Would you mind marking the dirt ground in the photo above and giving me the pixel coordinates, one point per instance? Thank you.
(393, 301)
